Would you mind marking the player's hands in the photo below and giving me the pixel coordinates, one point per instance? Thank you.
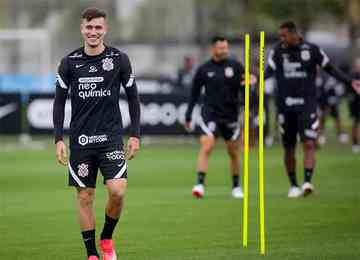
(61, 153)
(356, 85)
(133, 146)
(253, 80)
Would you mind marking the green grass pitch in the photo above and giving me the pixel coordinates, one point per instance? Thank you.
(161, 220)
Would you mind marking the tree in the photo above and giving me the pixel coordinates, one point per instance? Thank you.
(303, 12)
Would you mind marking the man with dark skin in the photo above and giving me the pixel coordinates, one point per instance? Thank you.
(293, 62)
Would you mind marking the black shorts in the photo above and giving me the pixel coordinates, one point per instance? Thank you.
(292, 123)
(354, 106)
(210, 126)
(84, 165)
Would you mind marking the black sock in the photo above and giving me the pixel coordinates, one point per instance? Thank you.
(235, 181)
(109, 226)
(292, 179)
(201, 178)
(89, 241)
(308, 174)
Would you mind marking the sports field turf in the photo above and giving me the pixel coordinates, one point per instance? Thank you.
(162, 221)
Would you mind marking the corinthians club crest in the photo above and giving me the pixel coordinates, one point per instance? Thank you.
(83, 170)
(229, 72)
(108, 64)
(305, 55)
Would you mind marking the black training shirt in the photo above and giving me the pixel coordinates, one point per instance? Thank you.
(221, 82)
(93, 83)
(295, 69)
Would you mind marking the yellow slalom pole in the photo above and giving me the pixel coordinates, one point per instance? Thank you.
(246, 142)
(261, 145)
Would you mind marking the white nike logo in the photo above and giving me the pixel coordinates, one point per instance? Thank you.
(7, 109)
(79, 65)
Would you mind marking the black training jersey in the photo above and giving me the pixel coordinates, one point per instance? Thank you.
(295, 69)
(94, 85)
(221, 81)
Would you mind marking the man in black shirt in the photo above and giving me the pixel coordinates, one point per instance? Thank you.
(294, 64)
(93, 75)
(354, 106)
(220, 77)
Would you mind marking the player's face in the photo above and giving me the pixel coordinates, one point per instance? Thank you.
(287, 37)
(93, 31)
(220, 50)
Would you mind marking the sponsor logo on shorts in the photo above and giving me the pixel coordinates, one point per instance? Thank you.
(84, 139)
(83, 170)
(115, 155)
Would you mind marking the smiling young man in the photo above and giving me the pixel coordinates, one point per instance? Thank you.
(93, 75)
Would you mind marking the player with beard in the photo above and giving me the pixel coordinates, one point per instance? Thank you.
(221, 78)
